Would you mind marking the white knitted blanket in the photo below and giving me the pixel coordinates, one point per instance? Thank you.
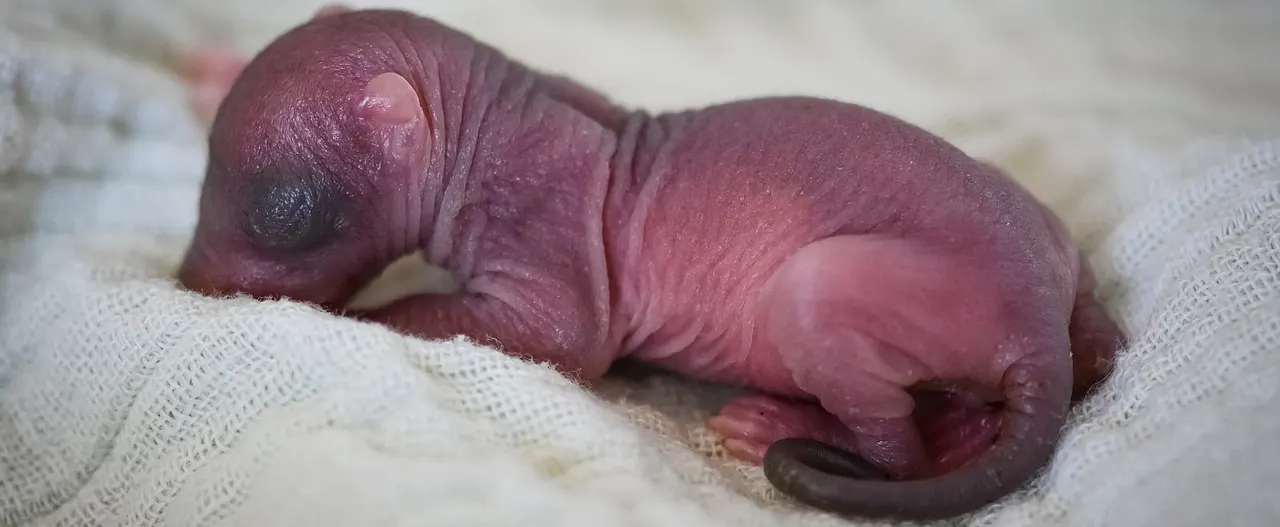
(1152, 126)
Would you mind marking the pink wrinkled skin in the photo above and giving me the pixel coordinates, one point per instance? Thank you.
(881, 291)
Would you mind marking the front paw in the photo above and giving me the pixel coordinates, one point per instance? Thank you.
(750, 424)
(209, 73)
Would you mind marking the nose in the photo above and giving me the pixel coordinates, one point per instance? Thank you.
(207, 276)
(203, 273)
(195, 275)
(192, 278)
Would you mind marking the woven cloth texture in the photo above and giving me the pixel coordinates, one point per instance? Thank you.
(1152, 127)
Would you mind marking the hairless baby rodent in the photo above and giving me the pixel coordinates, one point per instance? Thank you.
(913, 323)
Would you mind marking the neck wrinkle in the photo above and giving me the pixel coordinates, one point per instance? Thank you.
(452, 108)
(637, 172)
(476, 85)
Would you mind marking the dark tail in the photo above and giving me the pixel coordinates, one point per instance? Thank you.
(1037, 390)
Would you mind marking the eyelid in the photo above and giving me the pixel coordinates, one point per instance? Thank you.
(290, 211)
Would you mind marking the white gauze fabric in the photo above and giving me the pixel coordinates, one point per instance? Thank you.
(1150, 126)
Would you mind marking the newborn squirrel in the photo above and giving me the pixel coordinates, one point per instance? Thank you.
(914, 323)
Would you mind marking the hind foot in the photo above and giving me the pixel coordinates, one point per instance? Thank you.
(955, 427)
(210, 73)
(749, 424)
(1095, 337)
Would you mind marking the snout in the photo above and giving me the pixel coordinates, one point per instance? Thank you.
(220, 277)
(203, 272)
(203, 275)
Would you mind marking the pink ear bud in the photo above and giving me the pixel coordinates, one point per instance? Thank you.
(391, 105)
(390, 99)
(330, 9)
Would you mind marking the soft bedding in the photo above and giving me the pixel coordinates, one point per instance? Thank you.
(1152, 127)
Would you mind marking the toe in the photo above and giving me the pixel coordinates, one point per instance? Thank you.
(748, 451)
(745, 419)
(748, 425)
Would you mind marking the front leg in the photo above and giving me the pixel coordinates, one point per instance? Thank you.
(560, 332)
(525, 239)
(209, 73)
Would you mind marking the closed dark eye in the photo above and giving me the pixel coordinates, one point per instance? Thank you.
(291, 212)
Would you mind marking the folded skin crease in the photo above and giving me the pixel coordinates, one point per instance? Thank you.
(882, 292)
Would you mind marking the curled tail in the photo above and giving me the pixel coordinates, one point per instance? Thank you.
(1038, 392)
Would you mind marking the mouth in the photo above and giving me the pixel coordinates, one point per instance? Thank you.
(406, 276)
(193, 278)
(209, 278)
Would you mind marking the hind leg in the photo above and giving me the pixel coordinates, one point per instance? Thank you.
(1095, 337)
(953, 430)
(901, 344)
